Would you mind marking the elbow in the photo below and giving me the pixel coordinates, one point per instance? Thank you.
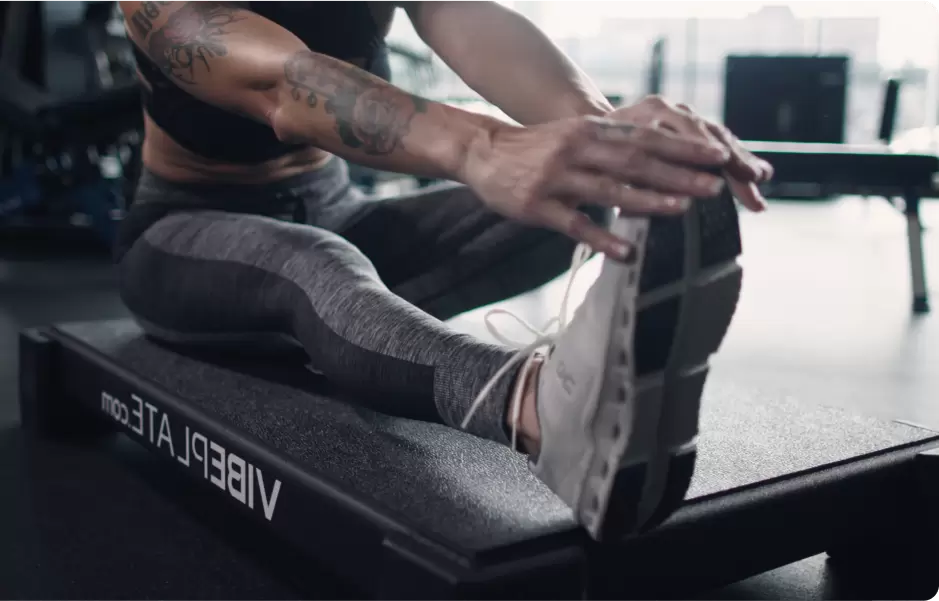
(280, 114)
(279, 123)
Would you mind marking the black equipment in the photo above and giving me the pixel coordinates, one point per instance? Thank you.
(888, 116)
(20, 31)
(819, 170)
(64, 154)
(417, 510)
(786, 98)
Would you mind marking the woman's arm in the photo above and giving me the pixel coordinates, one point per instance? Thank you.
(507, 60)
(233, 58)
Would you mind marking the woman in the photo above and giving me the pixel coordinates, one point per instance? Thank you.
(244, 225)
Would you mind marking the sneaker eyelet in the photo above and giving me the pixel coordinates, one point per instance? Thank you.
(616, 431)
(623, 357)
(621, 394)
(605, 469)
(626, 317)
(595, 503)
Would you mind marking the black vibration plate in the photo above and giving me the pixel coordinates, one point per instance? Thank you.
(410, 509)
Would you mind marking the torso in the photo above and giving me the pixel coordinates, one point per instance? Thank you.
(181, 148)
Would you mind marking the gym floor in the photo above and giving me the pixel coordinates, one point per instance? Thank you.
(825, 315)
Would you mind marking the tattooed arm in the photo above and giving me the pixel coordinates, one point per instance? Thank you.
(233, 58)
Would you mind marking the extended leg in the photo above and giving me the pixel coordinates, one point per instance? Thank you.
(214, 274)
(615, 400)
(444, 251)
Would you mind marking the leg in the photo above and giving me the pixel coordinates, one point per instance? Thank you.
(208, 274)
(914, 234)
(615, 401)
(619, 393)
(443, 251)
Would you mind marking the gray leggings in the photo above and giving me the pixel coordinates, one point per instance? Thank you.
(361, 284)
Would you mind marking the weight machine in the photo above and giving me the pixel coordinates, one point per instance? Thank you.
(70, 118)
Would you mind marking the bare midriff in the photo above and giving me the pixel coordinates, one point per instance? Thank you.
(168, 159)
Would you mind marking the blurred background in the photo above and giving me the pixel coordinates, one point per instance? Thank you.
(717, 56)
(824, 316)
(612, 42)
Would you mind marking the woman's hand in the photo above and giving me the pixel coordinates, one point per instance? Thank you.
(743, 171)
(539, 175)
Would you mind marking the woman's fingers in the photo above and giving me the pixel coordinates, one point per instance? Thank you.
(584, 187)
(748, 194)
(554, 214)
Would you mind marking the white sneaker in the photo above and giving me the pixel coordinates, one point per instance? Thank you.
(619, 393)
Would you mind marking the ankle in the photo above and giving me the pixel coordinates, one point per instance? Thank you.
(529, 432)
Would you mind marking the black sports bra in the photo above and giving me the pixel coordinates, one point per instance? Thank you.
(343, 30)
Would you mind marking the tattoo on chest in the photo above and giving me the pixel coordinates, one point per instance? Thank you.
(192, 36)
(370, 115)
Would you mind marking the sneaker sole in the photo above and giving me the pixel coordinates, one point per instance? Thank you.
(689, 284)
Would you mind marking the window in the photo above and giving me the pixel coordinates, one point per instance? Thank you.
(612, 41)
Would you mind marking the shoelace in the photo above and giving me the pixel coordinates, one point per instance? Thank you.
(527, 352)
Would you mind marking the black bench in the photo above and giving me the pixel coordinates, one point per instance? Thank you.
(409, 509)
(832, 169)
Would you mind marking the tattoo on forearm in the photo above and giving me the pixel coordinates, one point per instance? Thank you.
(370, 115)
(143, 17)
(192, 37)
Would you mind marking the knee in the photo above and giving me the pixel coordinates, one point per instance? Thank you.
(137, 281)
(325, 254)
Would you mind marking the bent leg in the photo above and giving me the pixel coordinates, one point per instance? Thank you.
(209, 273)
(444, 251)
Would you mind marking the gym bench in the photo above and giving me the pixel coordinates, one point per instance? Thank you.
(833, 169)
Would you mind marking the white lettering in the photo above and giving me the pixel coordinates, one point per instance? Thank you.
(219, 463)
(228, 472)
(268, 503)
(138, 413)
(251, 486)
(113, 407)
(185, 446)
(165, 434)
(151, 410)
(196, 436)
(236, 474)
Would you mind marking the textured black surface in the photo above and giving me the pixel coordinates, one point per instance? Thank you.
(363, 451)
(719, 230)
(665, 253)
(473, 492)
(681, 472)
(655, 334)
(718, 241)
